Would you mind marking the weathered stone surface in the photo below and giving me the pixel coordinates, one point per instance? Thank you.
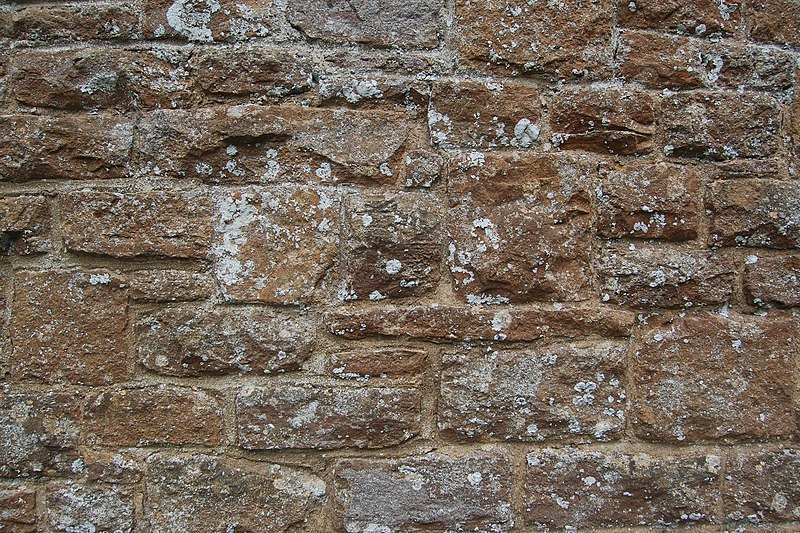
(567, 390)
(69, 326)
(710, 125)
(558, 40)
(17, 509)
(73, 507)
(410, 24)
(519, 227)
(422, 168)
(772, 280)
(762, 485)
(577, 489)
(71, 147)
(274, 244)
(774, 21)
(196, 342)
(123, 224)
(434, 491)
(657, 201)
(75, 22)
(393, 246)
(701, 18)
(709, 377)
(113, 467)
(648, 275)
(39, 433)
(375, 92)
(169, 285)
(389, 362)
(89, 78)
(267, 144)
(754, 213)
(617, 121)
(477, 323)
(153, 416)
(320, 417)
(499, 115)
(24, 225)
(206, 20)
(207, 494)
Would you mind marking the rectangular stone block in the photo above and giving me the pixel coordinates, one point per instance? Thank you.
(569, 391)
(389, 362)
(24, 225)
(705, 377)
(169, 285)
(762, 485)
(701, 18)
(75, 22)
(113, 467)
(69, 326)
(774, 22)
(374, 91)
(74, 507)
(124, 224)
(204, 22)
(439, 491)
(324, 417)
(772, 281)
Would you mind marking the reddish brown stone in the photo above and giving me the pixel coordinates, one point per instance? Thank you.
(169, 286)
(519, 227)
(206, 20)
(389, 362)
(557, 40)
(710, 125)
(435, 491)
(113, 467)
(648, 201)
(154, 416)
(274, 244)
(162, 223)
(17, 509)
(498, 115)
(772, 280)
(319, 417)
(75, 507)
(774, 21)
(478, 323)
(196, 342)
(69, 327)
(566, 391)
(570, 488)
(701, 18)
(375, 92)
(649, 275)
(24, 225)
(422, 168)
(762, 485)
(709, 377)
(73, 147)
(75, 22)
(207, 494)
(393, 246)
(617, 121)
(754, 213)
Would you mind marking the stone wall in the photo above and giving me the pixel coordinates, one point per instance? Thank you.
(421, 265)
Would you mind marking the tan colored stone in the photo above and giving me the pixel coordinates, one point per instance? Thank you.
(375, 91)
(421, 168)
(701, 18)
(762, 485)
(772, 280)
(69, 326)
(709, 377)
(774, 21)
(84, 507)
(75, 22)
(207, 20)
(388, 362)
(169, 285)
(113, 467)
(24, 225)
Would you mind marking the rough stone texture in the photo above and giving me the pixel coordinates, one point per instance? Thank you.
(77, 507)
(206, 494)
(17, 509)
(24, 225)
(576, 488)
(437, 490)
(197, 342)
(74, 22)
(375, 91)
(156, 415)
(116, 468)
(705, 376)
(567, 390)
(69, 326)
(389, 362)
(319, 417)
(206, 20)
(762, 485)
(169, 285)
(702, 18)
(163, 223)
(774, 21)
(772, 280)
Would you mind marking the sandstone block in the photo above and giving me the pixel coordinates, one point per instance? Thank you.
(18, 509)
(78, 507)
(702, 18)
(772, 280)
(774, 22)
(762, 485)
(24, 225)
(207, 20)
(388, 362)
(75, 22)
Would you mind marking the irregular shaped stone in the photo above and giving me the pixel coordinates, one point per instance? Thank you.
(324, 418)
(39, 433)
(569, 39)
(616, 121)
(433, 491)
(762, 485)
(709, 377)
(274, 244)
(75, 22)
(772, 280)
(70, 147)
(410, 24)
(207, 494)
(702, 18)
(564, 391)
(169, 285)
(69, 326)
(389, 362)
(519, 227)
(774, 22)
(75, 507)
(421, 168)
(649, 275)
(159, 223)
(196, 342)
(154, 416)
(24, 225)
(392, 247)
(577, 489)
(113, 467)
(710, 126)
(18, 509)
(375, 92)
(754, 213)
(499, 115)
(207, 20)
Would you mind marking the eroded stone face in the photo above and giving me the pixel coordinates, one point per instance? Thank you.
(75, 22)
(772, 280)
(18, 509)
(762, 485)
(702, 18)
(78, 507)
(207, 20)
(389, 362)
(24, 225)
(774, 21)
